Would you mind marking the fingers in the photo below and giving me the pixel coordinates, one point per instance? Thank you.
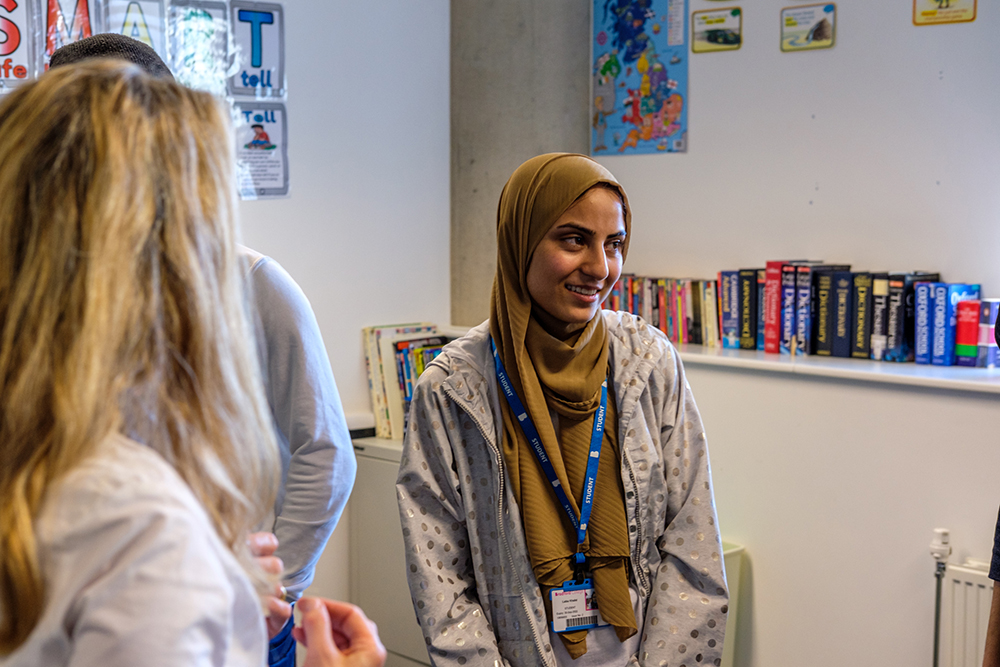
(315, 634)
(278, 613)
(271, 564)
(357, 630)
(262, 544)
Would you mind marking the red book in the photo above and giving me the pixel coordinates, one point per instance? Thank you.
(772, 305)
(967, 332)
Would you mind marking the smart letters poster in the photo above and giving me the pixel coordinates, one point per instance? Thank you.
(62, 22)
(262, 150)
(259, 42)
(15, 44)
(198, 35)
(143, 20)
(640, 77)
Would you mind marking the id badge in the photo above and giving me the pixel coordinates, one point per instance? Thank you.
(574, 607)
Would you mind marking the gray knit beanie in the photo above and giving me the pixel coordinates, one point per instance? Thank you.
(112, 45)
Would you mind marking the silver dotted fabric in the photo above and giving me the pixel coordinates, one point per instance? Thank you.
(473, 589)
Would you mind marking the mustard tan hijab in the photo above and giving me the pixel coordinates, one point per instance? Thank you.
(557, 370)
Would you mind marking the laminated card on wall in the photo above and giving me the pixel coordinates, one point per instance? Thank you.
(61, 22)
(198, 34)
(717, 30)
(142, 20)
(16, 49)
(262, 150)
(639, 77)
(259, 43)
(808, 27)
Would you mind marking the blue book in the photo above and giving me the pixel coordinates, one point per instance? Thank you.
(729, 299)
(946, 313)
(761, 282)
(923, 297)
(789, 292)
(842, 302)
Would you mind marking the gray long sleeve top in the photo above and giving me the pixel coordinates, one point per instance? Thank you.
(317, 458)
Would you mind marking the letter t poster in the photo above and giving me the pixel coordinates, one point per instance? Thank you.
(259, 40)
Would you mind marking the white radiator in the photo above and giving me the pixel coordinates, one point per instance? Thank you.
(965, 612)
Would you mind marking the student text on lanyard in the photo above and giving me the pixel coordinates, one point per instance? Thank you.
(531, 433)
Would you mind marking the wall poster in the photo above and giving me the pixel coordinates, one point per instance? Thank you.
(639, 77)
(259, 42)
(808, 27)
(717, 30)
(16, 45)
(143, 20)
(61, 22)
(935, 12)
(262, 150)
(199, 44)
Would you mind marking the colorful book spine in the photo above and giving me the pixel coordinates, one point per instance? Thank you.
(861, 315)
(748, 309)
(712, 312)
(938, 304)
(761, 284)
(772, 306)
(803, 308)
(880, 310)
(988, 349)
(729, 308)
(843, 289)
(953, 294)
(967, 332)
(788, 303)
(695, 329)
(901, 320)
(923, 314)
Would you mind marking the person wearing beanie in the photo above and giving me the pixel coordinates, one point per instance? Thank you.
(318, 464)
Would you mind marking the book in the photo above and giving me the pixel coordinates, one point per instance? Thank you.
(967, 332)
(788, 306)
(900, 327)
(712, 313)
(843, 290)
(761, 283)
(943, 346)
(772, 305)
(861, 315)
(381, 367)
(880, 304)
(805, 315)
(693, 296)
(988, 349)
(748, 305)
(923, 320)
(729, 308)
(823, 321)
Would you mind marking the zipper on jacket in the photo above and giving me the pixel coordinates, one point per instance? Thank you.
(503, 533)
(636, 555)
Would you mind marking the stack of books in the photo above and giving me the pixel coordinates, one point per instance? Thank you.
(395, 356)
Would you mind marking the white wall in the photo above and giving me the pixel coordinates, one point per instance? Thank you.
(883, 151)
(365, 230)
(835, 487)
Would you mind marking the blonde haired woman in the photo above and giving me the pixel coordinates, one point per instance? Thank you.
(555, 458)
(136, 445)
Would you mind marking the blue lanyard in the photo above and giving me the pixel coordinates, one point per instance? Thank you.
(531, 433)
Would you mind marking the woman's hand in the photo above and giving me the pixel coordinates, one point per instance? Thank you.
(337, 634)
(263, 546)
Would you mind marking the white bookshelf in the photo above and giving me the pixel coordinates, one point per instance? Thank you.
(957, 378)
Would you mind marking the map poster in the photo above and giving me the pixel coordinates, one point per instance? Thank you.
(717, 30)
(808, 27)
(15, 45)
(259, 42)
(934, 12)
(199, 49)
(262, 150)
(639, 77)
(143, 20)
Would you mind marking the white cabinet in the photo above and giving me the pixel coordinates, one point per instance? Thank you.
(378, 562)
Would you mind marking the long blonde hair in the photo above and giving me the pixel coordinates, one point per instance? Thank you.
(121, 306)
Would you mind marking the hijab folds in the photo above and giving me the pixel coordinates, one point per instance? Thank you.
(557, 370)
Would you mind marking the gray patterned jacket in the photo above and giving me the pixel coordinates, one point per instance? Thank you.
(473, 589)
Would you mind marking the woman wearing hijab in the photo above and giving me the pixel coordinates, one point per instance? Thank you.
(535, 535)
